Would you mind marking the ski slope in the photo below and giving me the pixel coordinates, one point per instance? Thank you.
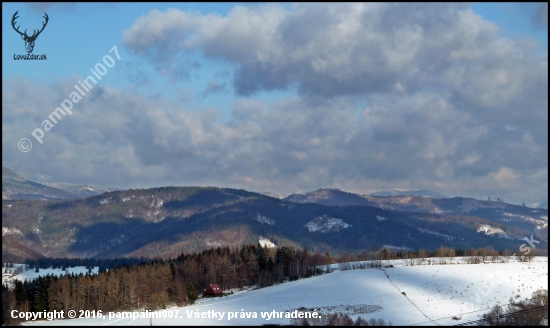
(404, 295)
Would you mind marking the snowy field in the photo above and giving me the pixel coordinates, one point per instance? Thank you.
(31, 274)
(404, 295)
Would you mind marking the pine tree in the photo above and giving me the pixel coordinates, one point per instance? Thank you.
(42, 295)
(192, 292)
(20, 292)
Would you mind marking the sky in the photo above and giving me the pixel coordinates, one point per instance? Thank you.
(280, 98)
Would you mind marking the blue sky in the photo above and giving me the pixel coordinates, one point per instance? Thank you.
(285, 98)
(86, 32)
(514, 18)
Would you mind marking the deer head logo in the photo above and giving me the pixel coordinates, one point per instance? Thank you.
(29, 40)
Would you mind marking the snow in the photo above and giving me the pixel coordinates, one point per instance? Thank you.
(380, 218)
(396, 248)
(404, 295)
(264, 219)
(436, 233)
(105, 201)
(31, 274)
(214, 243)
(11, 231)
(489, 230)
(326, 224)
(539, 222)
(157, 202)
(403, 200)
(267, 243)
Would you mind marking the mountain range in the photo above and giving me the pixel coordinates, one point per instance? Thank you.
(14, 186)
(167, 221)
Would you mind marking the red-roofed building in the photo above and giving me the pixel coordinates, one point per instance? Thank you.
(213, 290)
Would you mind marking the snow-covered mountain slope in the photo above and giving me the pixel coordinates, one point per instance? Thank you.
(326, 224)
(267, 243)
(404, 295)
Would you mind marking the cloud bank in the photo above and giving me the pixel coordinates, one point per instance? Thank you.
(426, 96)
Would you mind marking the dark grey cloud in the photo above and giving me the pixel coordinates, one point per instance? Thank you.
(538, 13)
(541, 17)
(134, 73)
(326, 49)
(214, 86)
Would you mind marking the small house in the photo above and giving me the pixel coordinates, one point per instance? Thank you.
(213, 290)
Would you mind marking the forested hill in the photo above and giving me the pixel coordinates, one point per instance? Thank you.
(168, 221)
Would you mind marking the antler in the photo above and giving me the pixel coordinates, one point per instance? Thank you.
(13, 24)
(34, 35)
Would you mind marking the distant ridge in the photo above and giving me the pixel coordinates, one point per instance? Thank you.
(166, 221)
(331, 197)
(416, 192)
(17, 187)
(272, 194)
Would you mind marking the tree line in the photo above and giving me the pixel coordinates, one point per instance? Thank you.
(533, 312)
(441, 255)
(161, 283)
